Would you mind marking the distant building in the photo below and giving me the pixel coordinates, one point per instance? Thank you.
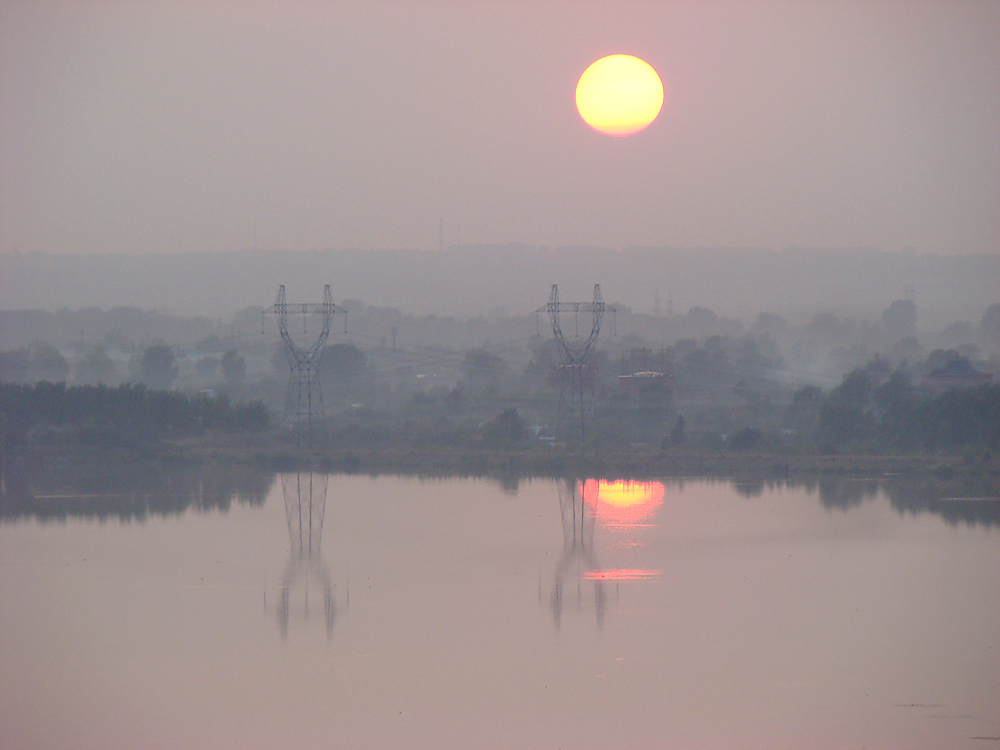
(643, 381)
(647, 375)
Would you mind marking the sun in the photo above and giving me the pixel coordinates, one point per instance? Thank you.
(619, 95)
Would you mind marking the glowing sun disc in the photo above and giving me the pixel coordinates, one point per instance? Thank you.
(619, 95)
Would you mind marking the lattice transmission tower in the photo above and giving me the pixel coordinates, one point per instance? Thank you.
(576, 372)
(304, 403)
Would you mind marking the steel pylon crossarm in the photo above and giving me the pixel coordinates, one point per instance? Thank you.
(569, 354)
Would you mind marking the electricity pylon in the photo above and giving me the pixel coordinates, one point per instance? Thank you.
(304, 402)
(576, 371)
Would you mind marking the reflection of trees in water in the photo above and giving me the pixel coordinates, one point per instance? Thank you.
(956, 498)
(966, 499)
(305, 508)
(109, 485)
(577, 555)
(970, 500)
(752, 487)
(129, 486)
(846, 492)
(509, 483)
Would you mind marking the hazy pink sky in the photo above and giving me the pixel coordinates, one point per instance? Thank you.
(183, 126)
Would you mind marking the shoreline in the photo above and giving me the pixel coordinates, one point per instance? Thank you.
(59, 481)
(437, 461)
(535, 461)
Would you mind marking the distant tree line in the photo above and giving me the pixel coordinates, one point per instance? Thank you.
(895, 415)
(105, 415)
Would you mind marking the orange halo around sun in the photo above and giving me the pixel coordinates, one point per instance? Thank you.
(619, 95)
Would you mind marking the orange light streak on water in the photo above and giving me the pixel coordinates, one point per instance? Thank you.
(620, 574)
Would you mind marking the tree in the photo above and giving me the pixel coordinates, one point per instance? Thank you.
(906, 350)
(234, 368)
(702, 317)
(990, 325)
(803, 413)
(157, 368)
(747, 439)
(482, 371)
(676, 436)
(894, 391)
(48, 364)
(206, 366)
(344, 367)
(770, 324)
(505, 430)
(846, 415)
(899, 320)
(14, 365)
(95, 367)
(279, 361)
(942, 359)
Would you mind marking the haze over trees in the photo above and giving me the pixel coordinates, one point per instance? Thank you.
(234, 368)
(117, 417)
(825, 382)
(157, 366)
(467, 281)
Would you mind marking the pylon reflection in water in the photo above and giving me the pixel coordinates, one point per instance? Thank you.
(617, 507)
(578, 561)
(305, 573)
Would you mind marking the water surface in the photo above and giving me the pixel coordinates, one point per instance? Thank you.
(358, 612)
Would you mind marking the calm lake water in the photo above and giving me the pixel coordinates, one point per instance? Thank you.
(357, 612)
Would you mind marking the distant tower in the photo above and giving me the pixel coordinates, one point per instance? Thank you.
(304, 402)
(576, 369)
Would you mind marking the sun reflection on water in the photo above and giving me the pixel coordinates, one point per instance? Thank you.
(623, 502)
(624, 508)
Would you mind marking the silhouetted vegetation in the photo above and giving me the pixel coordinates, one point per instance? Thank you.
(99, 415)
(157, 366)
(674, 383)
(865, 414)
(506, 430)
(234, 368)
